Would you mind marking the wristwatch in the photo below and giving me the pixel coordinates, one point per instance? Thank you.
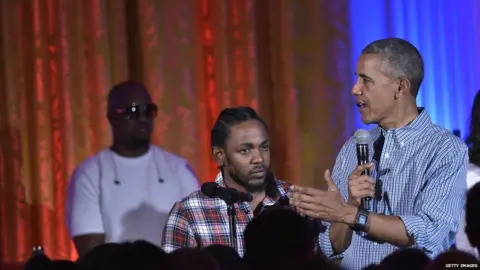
(361, 220)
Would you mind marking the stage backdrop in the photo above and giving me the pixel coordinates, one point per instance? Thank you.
(291, 60)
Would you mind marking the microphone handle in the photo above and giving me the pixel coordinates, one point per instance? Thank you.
(362, 157)
(366, 200)
(366, 203)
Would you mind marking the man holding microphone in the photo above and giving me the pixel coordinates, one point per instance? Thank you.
(417, 178)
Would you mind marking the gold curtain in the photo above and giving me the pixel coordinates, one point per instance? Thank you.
(289, 59)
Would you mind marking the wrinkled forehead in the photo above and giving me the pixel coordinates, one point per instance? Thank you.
(129, 95)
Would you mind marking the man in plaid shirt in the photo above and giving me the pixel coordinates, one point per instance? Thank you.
(241, 148)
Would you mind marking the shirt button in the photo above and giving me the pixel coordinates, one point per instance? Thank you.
(387, 155)
(402, 144)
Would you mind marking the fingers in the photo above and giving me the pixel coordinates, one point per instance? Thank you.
(307, 190)
(362, 186)
(304, 206)
(353, 180)
(303, 201)
(295, 196)
(360, 168)
(328, 179)
(362, 190)
(317, 192)
(310, 213)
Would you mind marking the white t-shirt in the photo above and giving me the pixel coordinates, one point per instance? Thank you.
(127, 198)
(461, 240)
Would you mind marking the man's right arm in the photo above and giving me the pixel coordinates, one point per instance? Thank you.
(84, 219)
(178, 232)
(338, 236)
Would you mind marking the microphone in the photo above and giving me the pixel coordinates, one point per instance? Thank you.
(361, 138)
(229, 195)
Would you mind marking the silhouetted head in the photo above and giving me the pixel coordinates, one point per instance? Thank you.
(192, 259)
(409, 258)
(226, 257)
(100, 257)
(131, 113)
(241, 147)
(139, 255)
(283, 233)
(66, 265)
(472, 217)
(473, 139)
(389, 74)
(38, 262)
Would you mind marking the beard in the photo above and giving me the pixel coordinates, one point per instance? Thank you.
(138, 142)
(251, 185)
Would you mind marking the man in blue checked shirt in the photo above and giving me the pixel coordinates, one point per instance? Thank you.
(418, 174)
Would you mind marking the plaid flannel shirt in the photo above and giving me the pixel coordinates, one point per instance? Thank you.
(199, 221)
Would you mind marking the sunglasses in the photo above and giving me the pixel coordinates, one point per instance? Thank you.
(135, 110)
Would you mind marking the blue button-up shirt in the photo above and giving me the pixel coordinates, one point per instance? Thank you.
(423, 171)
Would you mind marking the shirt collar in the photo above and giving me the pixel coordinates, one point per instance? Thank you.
(408, 133)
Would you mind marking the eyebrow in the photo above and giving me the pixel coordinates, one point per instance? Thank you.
(251, 144)
(363, 76)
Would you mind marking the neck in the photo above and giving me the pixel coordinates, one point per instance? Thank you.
(130, 151)
(401, 116)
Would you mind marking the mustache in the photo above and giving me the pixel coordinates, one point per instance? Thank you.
(258, 168)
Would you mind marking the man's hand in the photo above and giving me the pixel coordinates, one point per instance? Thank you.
(325, 205)
(360, 186)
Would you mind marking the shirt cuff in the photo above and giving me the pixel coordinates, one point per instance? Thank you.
(326, 244)
(415, 227)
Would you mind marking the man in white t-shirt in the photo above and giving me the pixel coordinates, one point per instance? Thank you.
(125, 192)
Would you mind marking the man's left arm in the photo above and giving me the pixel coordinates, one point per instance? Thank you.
(438, 210)
(178, 232)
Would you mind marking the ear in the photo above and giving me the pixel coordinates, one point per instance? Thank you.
(110, 118)
(403, 88)
(218, 155)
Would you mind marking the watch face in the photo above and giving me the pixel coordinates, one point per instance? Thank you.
(362, 219)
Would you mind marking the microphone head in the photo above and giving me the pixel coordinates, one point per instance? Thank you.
(248, 198)
(209, 188)
(361, 136)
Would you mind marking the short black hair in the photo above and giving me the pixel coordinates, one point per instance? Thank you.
(403, 58)
(229, 117)
(299, 236)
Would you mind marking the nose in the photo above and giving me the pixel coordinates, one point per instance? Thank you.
(356, 89)
(257, 157)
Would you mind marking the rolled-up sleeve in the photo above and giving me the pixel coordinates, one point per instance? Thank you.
(340, 181)
(439, 207)
(326, 244)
